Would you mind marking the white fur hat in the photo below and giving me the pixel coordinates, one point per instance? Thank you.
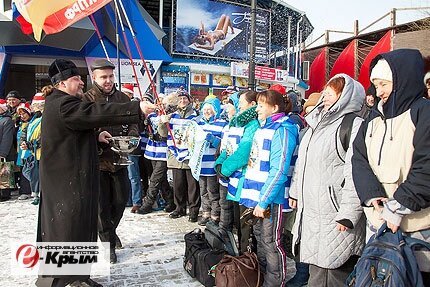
(381, 71)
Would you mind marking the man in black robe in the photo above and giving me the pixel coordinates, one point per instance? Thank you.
(69, 173)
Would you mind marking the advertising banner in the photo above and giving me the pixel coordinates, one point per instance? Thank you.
(219, 29)
(2, 57)
(127, 75)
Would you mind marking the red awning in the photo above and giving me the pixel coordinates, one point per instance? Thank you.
(345, 62)
(317, 73)
(383, 46)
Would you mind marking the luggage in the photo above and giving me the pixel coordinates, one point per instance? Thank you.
(200, 257)
(219, 238)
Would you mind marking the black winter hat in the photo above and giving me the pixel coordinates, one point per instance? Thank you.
(61, 70)
(13, 94)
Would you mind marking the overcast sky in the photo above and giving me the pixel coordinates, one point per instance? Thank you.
(340, 14)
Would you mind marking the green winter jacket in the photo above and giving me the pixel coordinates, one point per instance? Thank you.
(239, 159)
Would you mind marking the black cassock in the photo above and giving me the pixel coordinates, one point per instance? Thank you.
(69, 172)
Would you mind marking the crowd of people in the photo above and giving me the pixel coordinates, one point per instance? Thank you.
(318, 176)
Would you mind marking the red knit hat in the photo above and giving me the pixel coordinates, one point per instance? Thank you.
(279, 88)
(128, 88)
(38, 99)
(2, 101)
(25, 107)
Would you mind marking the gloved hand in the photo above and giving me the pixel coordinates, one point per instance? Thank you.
(213, 140)
(218, 171)
(209, 137)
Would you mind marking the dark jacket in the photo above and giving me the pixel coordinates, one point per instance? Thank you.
(7, 136)
(107, 155)
(405, 100)
(69, 164)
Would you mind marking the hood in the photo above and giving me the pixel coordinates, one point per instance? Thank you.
(215, 103)
(295, 108)
(350, 101)
(408, 71)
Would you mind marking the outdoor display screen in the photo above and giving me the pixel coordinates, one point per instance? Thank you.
(226, 30)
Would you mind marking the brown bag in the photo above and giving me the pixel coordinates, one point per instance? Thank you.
(241, 271)
(7, 175)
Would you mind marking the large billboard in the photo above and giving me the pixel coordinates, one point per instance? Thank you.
(218, 29)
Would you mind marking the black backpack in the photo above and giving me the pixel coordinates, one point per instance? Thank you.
(344, 133)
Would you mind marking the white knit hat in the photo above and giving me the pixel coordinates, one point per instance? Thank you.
(381, 71)
(426, 78)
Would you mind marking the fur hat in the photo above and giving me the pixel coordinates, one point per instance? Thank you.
(61, 70)
(170, 102)
(381, 71)
(279, 88)
(312, 100)
(25, 107)
(127, 88)
(13, 94)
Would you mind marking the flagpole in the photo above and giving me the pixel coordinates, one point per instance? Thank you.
(154, 90)
(130, 56)
(117, 46)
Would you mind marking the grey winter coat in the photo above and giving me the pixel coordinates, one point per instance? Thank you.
(323, 186)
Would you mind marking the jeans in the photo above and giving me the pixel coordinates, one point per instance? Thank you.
(134, 176)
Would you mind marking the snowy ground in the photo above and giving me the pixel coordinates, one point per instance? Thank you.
(152, 255)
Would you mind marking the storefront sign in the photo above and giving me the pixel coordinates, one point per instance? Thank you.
(261, 72)
(219, 29)
(199, 79)
(127, 74)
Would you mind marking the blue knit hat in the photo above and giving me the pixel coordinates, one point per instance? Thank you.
(234, 100)
(215, 103)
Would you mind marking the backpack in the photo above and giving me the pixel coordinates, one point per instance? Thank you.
(387, 260)
(220, 239)
(344, 132)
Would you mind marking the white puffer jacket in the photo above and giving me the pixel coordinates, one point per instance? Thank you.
(323, 186)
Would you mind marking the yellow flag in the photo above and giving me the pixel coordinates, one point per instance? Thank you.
(36, 11)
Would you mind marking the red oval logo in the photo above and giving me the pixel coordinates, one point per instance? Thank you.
(27, 255)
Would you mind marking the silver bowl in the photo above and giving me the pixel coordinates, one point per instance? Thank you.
(123, 145)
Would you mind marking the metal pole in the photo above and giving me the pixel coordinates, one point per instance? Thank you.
(251, 72)
(296, 68)
(288, 45)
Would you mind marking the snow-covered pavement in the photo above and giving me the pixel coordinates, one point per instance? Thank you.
(152, 254)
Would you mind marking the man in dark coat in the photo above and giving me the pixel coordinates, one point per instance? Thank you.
(114, 182)
(69, 163)
(7, 149)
